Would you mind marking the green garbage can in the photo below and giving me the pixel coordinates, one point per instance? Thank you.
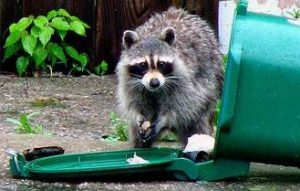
(260, 114)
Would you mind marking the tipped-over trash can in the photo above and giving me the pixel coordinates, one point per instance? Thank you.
(260, 114)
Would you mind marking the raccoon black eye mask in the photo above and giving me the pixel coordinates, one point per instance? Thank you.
(165, 67)
(138, 70)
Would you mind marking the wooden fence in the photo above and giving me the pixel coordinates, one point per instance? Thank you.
(107, 18)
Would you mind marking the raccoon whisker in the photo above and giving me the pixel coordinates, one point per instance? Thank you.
(173, 77)
(141, 88)
(169, 86)
(132, 82)
(173, 82)
(135, 75)
(165, 89)
(135, 84)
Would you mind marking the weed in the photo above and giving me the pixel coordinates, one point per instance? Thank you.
(24, 126)
(119, 129)
(295, 13)
(102, 68)
(168, 137)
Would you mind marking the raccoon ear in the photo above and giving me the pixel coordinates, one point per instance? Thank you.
(129, 38)
(168, 35)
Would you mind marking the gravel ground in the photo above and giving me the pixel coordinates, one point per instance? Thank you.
(77, 117)
(78, 107)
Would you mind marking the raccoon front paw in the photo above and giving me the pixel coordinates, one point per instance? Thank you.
(146, 134)
(144, 127)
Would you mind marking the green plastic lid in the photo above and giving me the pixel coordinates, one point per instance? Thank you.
(94, 163)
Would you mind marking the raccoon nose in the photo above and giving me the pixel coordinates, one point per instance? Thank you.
(154, 83)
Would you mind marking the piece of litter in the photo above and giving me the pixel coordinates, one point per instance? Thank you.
(200, 142)
(145, 125)
(136, 160)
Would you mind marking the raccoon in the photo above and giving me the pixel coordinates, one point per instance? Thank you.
(169, 77)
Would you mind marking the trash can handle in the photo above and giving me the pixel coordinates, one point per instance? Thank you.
(242, 6)
(230, 86)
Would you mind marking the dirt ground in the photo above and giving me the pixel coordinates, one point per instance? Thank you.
(77, 118)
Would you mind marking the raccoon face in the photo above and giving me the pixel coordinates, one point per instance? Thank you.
(152, 71)
(150, 60)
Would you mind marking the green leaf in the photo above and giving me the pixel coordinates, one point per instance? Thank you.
(74, 18)
(13, 121)
(24, 23)
(12, 38)
(35, 31)
(78, 68)
(24, 119)
(62, 34)
(58, 51)
(39, 56)
(72, 52)
(22, 64)
(45, 35)
(11, 50)
(51, 14)
(77, 27)
(29, 116)
(13, 27)
(60, 24)
(40, 21)
(103, 67)
(83, 59)
(29, 43)
(53, 60)
(63, 12)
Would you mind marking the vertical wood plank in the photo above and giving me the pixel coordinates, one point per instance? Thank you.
(9, 13)
(206, 9)
(115, 16)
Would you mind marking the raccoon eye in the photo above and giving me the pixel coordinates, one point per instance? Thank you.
(138, 70)
(160, 63)
(165, 67)
(142, 64)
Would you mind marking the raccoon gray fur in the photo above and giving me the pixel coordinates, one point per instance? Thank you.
(169, 74)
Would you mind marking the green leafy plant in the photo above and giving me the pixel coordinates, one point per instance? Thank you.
(168, 137)
(101, 68)
(295, 13)
(39, 42)
(119, 129)
(24, 126)
(81, 60)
